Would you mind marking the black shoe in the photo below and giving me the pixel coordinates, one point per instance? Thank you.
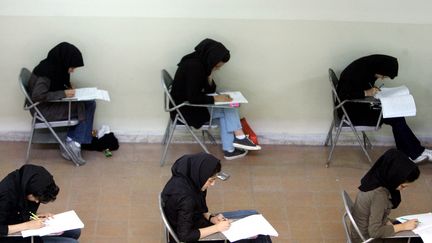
(237, 153)
(245, 144)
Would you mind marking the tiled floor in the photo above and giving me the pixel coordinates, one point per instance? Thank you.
(117, 197)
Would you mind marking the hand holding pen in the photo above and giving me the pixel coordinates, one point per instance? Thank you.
(35, 222)
(222, 98)
(373, 90)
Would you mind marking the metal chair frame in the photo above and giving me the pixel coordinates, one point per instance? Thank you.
(344, 123)
(179, 119)
(39, 121)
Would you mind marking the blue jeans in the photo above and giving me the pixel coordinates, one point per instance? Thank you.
(82, 133)
(228, 120)
(70, 236)
(244, 213)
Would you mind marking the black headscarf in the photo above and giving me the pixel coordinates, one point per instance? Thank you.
(210, 53)
(189, 174)
(34, 179)
(56, 65)
(391, 170)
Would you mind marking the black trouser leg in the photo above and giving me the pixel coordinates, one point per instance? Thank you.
(405, 139)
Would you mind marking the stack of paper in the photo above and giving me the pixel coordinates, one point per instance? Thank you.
(396, 102)
(58, 223)
(248, 227)
(91, 94)
(424, 228)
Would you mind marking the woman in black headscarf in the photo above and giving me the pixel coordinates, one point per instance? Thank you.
(193, 81)
(21, 193)
(380, 192)
(358, 81)
(51, 81)
(184, 199)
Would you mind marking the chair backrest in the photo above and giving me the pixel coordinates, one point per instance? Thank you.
(168, 230)
(348, 205)
(167, 82)
(23, 81)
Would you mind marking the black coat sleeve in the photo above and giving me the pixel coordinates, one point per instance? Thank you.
(186, 229)
(351, 88)
(40, 91)
(197, 85)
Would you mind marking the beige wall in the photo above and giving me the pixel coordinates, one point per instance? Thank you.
(280, 66)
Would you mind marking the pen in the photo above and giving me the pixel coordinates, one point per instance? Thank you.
(409, 220)
(33, 216)
(381, 86)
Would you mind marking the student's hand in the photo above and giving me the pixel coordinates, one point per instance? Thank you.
(222, 98)
(218, 218)
(69, 93)
(410, 224)
(372, 91)
(223, 225)
(35, 224)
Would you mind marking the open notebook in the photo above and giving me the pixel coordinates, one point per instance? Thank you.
(396, 102)
(60, 222)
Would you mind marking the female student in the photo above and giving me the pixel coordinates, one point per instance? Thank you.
(51, 81)
(358, 81)
(21, 193)
(184, 199)
(193, 81)
(380, 192)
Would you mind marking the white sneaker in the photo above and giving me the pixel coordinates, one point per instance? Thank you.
(419, 159)
(428, 154)
(73, 148)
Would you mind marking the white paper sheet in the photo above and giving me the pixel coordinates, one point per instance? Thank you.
(248, 227)
(424, 228)
(91, 94)
(237, 97)
(396, 102)
(60, 222)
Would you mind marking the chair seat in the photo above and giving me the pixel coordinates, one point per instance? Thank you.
(39, 125)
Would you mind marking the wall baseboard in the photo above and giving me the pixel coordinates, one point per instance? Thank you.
(182, 136)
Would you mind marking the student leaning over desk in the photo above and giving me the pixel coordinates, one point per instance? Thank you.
(184, 200)
(379, 193)
(193, 81)
(51, 81)
(357, 81)
(21, 193)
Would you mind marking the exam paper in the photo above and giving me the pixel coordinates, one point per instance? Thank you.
(91, 94)
(60, 222)
(248, 227)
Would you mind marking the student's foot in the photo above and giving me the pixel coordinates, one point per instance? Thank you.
(64, 153)
(245, 144)
(420, 158)
(73, 147)
(428, 154)
(237, 153)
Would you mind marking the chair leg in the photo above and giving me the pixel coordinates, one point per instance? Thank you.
(334, 142)
(170, 136)
(167, 129)
(197, 139)
(367, 143)
(329, 135)
(361, 144)
(203, 135)
(210, 136)
(30, 140)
